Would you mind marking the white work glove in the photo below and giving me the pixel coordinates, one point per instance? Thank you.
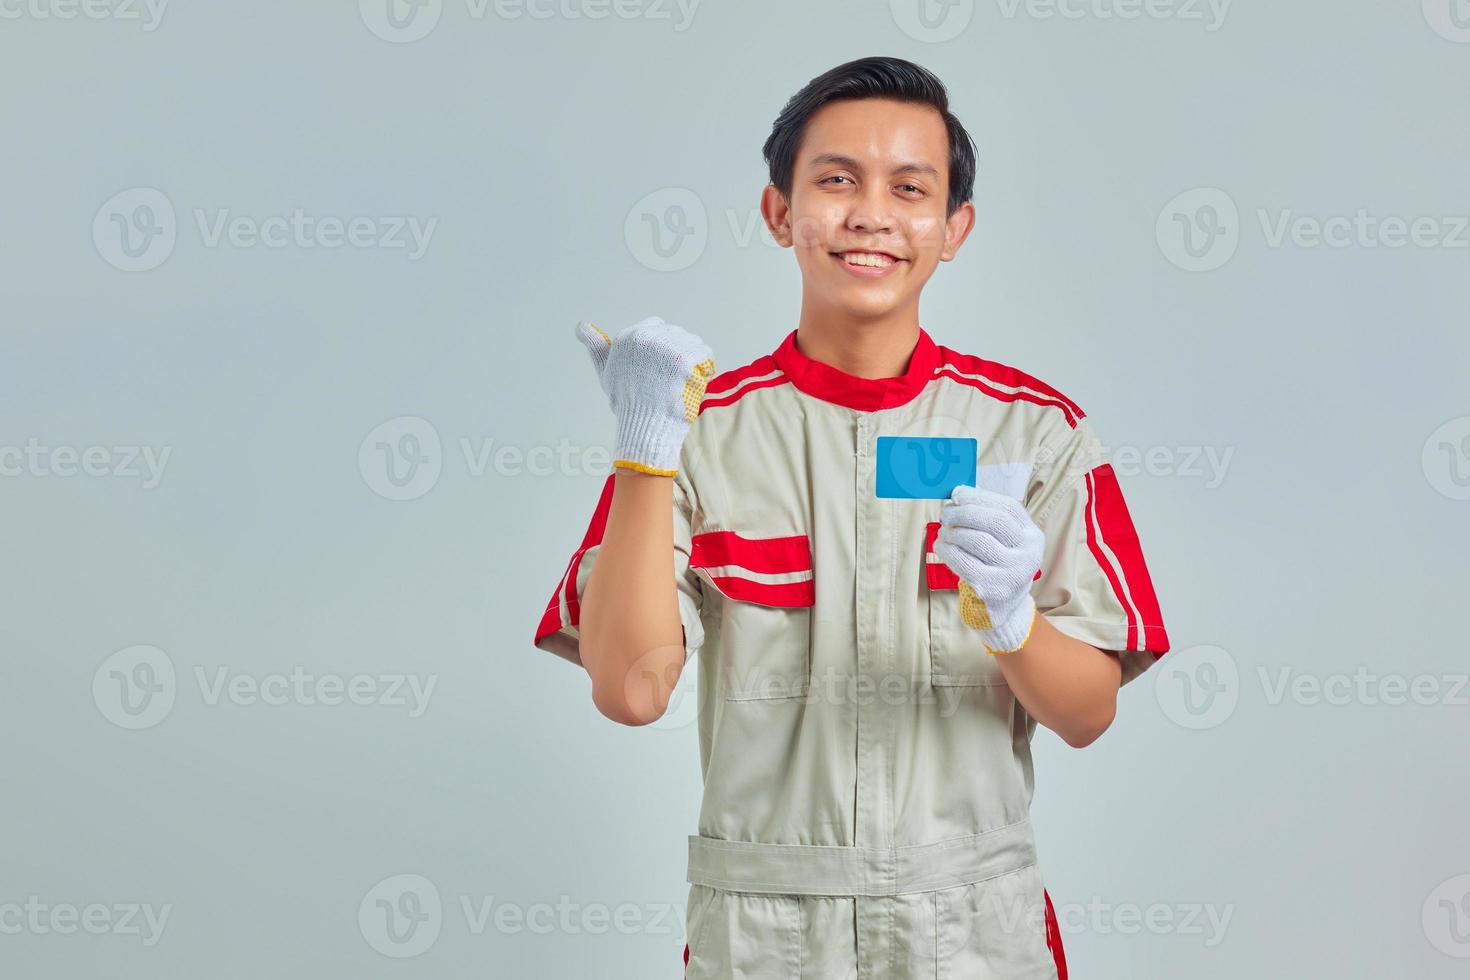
(654, 374)
(989, 541)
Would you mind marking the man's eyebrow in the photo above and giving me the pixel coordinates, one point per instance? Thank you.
(840, 160)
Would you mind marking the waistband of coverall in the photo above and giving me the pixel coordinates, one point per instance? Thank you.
(821, 869)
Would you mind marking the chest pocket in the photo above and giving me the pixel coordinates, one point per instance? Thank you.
(767, 587)
(957, 658)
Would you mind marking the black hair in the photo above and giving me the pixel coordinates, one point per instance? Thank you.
(871, 78)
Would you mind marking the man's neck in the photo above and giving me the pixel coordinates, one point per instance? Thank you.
(864, 349)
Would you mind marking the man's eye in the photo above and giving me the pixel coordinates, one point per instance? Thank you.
(914, 186)
(833, 177)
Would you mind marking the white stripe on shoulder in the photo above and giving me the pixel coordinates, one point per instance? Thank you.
(745, 383)
(1001, 385)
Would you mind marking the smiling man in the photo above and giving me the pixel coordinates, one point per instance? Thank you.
(893, 560)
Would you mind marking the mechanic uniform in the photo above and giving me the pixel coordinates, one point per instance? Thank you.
(867, 771)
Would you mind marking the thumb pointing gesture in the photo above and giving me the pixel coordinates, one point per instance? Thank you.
(597, 343)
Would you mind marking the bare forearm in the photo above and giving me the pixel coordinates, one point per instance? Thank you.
(1069, 686)
(632, 643)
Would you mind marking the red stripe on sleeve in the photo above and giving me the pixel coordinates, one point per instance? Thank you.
(718, 553)
(1105, 498)
(551, 618)
(1089, 518)
(715, 548)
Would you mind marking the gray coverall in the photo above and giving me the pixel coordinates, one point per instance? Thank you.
(867, 770)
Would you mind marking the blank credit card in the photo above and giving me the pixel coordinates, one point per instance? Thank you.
(924, 467)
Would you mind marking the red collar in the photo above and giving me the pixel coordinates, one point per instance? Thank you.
(821, 380)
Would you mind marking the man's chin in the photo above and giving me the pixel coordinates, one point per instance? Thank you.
(866, 304)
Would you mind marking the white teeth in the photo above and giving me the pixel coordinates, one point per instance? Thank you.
(860, 258)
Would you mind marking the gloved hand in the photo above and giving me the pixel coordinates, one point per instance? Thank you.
(989, 541)
(654, 374)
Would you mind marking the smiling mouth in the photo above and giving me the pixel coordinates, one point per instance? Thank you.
(868, 260)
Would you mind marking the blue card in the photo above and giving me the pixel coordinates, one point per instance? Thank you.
(923, 467)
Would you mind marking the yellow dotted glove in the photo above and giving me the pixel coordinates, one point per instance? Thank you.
(989, 540)
(654, 374)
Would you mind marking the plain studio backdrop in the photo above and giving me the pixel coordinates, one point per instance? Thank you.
(296, 442)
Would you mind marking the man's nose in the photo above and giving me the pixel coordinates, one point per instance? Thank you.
(871, 211)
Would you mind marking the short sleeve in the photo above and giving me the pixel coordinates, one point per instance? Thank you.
(558, 633)
(1095, 585)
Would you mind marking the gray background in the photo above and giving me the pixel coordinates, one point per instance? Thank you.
(1330, 829)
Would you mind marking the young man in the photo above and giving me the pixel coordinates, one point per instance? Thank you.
(893, 559)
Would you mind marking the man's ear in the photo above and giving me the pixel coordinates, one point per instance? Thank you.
(777, 214)
(956, 229)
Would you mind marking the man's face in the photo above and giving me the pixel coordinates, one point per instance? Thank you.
(871, 176)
